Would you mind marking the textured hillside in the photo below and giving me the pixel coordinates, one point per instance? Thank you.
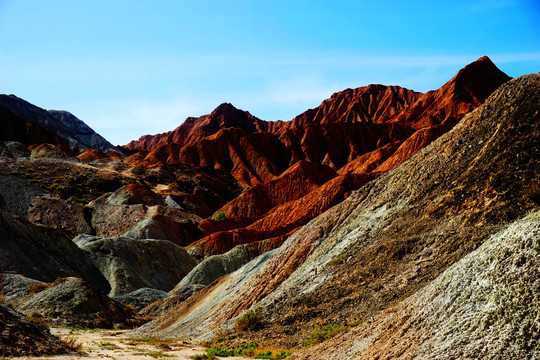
(395, 236)
(354, 132)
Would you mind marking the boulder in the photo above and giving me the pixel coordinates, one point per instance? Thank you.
(130, 264)
(73, 302)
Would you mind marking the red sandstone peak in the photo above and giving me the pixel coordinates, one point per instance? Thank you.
(197, 128)
(464, 92)
(373, 103)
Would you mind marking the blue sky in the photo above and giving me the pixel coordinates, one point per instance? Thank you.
(129, 68)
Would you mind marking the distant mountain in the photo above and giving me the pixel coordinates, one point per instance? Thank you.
(47, 126)
(356, 135)
(194, 129)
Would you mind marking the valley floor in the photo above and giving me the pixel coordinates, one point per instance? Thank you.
(113, 344)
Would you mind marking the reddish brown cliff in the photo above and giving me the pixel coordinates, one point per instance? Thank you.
(358, 133)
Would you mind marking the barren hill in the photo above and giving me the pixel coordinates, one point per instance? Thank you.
(399, 235)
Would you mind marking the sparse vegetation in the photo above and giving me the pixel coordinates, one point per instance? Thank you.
(340, 259)
(250, 321)
(72, 342)
(164, 344)
(245, 349)
(108, 345)
(406, 295)
(323, 333)
(221, 215)
(39, 321)
(532, 192)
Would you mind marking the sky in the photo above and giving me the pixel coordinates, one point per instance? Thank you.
(129, 68)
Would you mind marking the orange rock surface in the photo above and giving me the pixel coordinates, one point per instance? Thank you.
(292, 171)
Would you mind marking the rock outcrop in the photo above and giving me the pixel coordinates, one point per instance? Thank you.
(17, 195)
(141, 298)
(195, 129)
(14, 287)
(13, 149)
(43, 253)
(485, 306)
(73, 302)
(130, 264)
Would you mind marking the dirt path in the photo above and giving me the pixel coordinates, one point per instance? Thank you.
(107, 344)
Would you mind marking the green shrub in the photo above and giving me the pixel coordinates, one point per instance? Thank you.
(250, 321)
(338, 259)
(322, 333)
(221, 215)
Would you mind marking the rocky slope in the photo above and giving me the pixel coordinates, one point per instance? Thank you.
(20, 337)
(43, 253)
(394, 237)
(485, 306)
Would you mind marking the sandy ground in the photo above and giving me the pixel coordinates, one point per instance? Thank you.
(106, 344)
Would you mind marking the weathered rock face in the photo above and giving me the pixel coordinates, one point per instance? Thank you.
(134, 194)
(485, 306)
(372, 104)
(164, 227)
(78, 133)
(284, 219)
(214, 267)
(49, 151)
(16, 194)
(58, 213)
(13, 287)
(43, 253)
(20, 337)
(395, 235)
(250, 158)
(200, 305)
(25, 131)
(299, 180)
(73, 302)
(93, 155)
(130, 264)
